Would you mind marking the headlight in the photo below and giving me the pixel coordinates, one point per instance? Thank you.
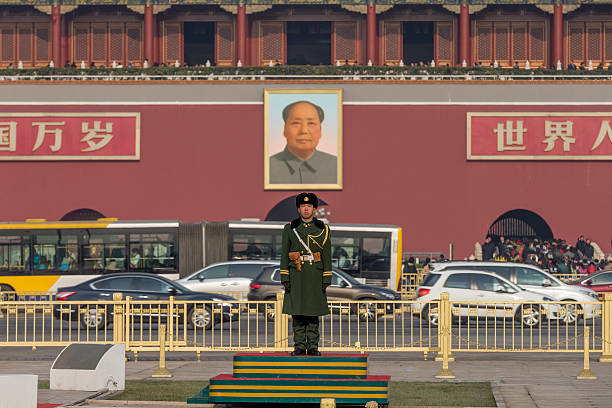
(547, 299)
(590, 293)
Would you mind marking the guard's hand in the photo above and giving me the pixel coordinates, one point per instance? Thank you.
(324, 286)
(287, 286)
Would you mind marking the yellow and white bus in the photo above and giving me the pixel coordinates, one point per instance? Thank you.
(40, 255)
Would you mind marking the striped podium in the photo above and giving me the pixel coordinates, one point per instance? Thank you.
(282, 378)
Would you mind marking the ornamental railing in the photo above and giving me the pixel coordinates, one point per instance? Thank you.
(442, 326)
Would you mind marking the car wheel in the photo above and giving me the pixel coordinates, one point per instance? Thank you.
(6, 297)
(568, 313)
(200, 318)
(93, 319)
(528, 315)
(430, 317)
(267, 310)
(369, 312)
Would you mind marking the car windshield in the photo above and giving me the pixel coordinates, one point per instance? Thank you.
(180, 287)
(347, 277)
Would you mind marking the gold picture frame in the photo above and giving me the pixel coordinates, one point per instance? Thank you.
(284, 170)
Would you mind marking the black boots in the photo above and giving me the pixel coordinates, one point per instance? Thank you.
(301, 352)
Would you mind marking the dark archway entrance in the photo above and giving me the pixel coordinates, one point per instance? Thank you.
(199, 43)
(520, 223)
(82, 214)
(309, 42)
(418, 41)
(285, 210)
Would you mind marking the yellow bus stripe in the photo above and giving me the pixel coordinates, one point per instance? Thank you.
(30, 283)
(293, 394)
(300, 363)
(296, 371)
(45, 225)
(294, 388)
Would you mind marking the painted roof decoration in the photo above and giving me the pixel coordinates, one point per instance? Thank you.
(290, 2)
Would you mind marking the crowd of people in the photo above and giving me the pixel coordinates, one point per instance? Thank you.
(555, 255)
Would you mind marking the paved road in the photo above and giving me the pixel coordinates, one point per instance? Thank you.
(520, 380)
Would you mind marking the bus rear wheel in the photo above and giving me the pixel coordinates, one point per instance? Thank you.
(6, 297)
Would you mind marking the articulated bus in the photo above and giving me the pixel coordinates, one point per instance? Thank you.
(40, 256)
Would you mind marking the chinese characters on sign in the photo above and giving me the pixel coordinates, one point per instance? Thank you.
(69, 136)
(539, 136)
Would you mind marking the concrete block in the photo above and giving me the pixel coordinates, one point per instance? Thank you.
(18, 390)
(89, 367)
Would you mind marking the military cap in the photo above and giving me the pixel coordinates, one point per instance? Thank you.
(306, 198)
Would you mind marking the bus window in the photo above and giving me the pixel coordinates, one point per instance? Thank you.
(14, 254)
(104, 252)
(345, 253)
(251, 246)
(152, 252)
(56, 251)
(376, 254)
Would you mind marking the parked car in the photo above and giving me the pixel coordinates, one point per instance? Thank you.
(343, 287)
(232, 276)
(478, 286)
(600, 282)
(534, 279)
(141, 287)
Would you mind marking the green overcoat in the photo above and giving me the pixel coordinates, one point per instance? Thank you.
(306, 297)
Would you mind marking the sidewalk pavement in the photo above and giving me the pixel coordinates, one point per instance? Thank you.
(519, 381)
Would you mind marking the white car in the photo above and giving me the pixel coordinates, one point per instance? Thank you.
(231, 276)
(536, 280)
(469, 286)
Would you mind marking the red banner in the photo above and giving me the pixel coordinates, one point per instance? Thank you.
(69, 136)
(539, 136)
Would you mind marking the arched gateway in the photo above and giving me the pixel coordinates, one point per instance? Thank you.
(520, 223)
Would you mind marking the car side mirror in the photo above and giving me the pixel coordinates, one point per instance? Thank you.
(344, 284)
(172, 291)
(501, 290)
(546, 282)
(201, 277)
(588, 282)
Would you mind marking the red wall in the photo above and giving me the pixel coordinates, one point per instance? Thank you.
(403, 165)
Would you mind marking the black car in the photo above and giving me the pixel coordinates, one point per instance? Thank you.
(343, 287)
(142, 287)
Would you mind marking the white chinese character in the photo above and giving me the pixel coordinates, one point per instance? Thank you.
(604, 131)
(8, 136)
(509, 138)
(556, 130)
(105, 135)
(42, 131)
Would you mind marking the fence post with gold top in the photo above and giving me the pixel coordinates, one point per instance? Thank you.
(586, 373)
(279, 321)
(128, 305)
(444, 324)
(606, 318)
(170, 322)
(162, 371)
(118, 318)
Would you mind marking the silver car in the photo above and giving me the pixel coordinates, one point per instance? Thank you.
(232, 276)
(534, 279)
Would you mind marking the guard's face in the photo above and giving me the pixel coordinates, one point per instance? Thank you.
(306, 211)
(302, 128)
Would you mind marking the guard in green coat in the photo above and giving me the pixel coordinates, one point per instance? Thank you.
(305, 270)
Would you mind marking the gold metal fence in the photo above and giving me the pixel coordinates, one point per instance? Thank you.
(525, 326)
(409, 284)
(370, 325)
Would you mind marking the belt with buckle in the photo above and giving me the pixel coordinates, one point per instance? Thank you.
(305, 258)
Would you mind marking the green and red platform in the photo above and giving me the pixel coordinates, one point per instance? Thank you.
(282, 378)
